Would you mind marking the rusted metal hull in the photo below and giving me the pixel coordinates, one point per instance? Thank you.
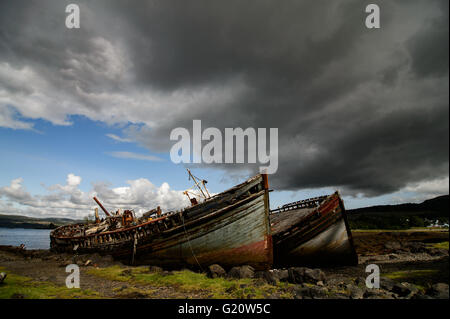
(230, 229)
(312, 232)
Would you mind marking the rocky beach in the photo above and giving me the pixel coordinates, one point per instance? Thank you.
(413, 264)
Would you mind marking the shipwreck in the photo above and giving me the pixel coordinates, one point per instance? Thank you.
(314, 232)
(235, 227)
(230, 228)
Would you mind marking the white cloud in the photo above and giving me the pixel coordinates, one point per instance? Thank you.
(433, 187)
(119, 139)
(73, 180)
(69, 201)
(8, 119)
(420, 191)
(32, 96)
(131, 155)
(15, 191)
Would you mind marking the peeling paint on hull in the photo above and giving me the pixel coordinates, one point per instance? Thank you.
(235, 238)
(314, 232)
(230, 229)
(329, 247)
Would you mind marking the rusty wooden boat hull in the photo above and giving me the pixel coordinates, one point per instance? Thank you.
(230, 229)
(312, 232)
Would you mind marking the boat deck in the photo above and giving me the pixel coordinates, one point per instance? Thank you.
(283, 221)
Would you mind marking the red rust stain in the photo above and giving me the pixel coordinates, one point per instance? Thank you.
(258, 255)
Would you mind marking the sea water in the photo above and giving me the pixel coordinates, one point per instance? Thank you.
(31, 238)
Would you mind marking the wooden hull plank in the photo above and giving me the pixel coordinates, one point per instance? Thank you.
(316, 236)
(231, 229)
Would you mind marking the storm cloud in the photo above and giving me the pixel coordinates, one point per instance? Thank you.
(365, 110)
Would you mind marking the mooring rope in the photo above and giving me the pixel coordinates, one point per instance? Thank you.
(189, 242)
(134, 247)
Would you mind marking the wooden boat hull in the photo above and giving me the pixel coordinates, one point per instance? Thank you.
(232, 232)
(236, 237)
(313, 233)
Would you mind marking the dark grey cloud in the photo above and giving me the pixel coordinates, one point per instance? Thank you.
(359, 109)
(429, 47)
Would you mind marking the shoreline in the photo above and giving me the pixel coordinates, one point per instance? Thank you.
(412, 265)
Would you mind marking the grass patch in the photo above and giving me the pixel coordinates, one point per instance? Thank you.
(16, 286)
(420, 278)
(442, 245)
(425, 229)
(189, 281)
(400, 275)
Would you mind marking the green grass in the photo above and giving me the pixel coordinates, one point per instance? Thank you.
(188, 281)
(401, 275)
(398, 230)
(16, 286)
(420, 278)
(442, 245)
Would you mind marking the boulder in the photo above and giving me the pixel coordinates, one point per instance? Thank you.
(215, 271)
(267, 276)
(387, 283)
(356, 292)
(360, 281)
(314, 275)
(299, 275)
(2, 277)
(303, 292)
(405, 290)
(438, 291)
(318, 292)
(155, 269)
(281, 274)
(377, 294)
(134, 295)
(241, 272)
(296, 275)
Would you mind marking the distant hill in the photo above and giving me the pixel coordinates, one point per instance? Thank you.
(399, 216)
(17, 221)
(437, 206)
(402, 215)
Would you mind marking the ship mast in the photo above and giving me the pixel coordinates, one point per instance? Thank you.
(200, 184)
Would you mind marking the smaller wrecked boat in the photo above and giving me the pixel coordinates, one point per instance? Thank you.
(312, 232)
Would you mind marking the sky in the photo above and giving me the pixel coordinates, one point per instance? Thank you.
(88, 111)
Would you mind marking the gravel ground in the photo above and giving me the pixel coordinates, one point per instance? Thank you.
(410, 254)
